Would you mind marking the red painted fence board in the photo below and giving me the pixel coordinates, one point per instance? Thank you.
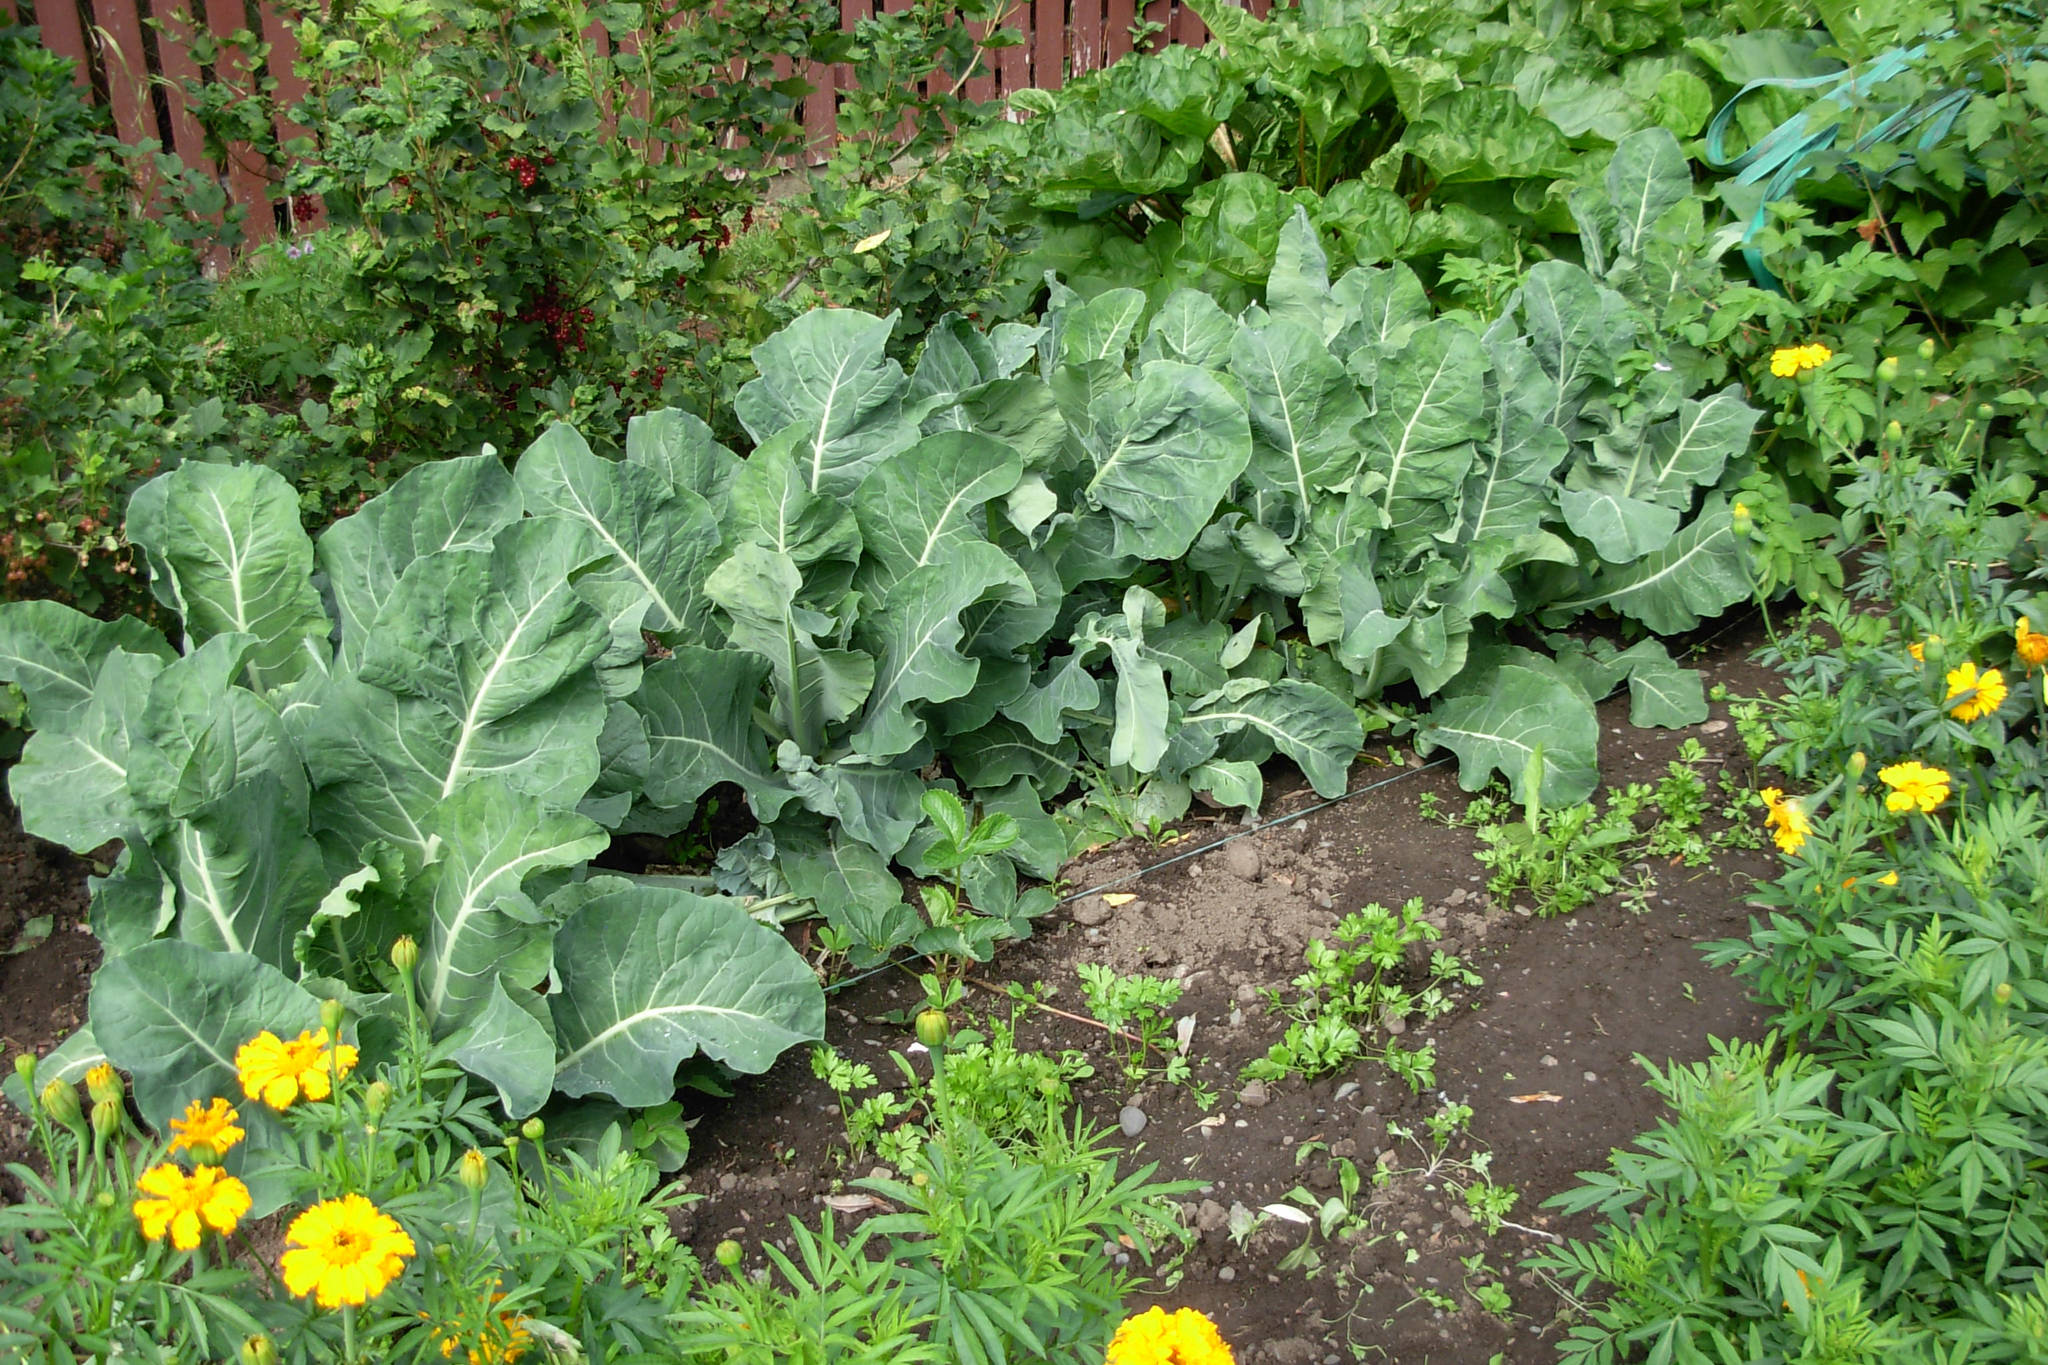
(1057, 39)
(58, 20)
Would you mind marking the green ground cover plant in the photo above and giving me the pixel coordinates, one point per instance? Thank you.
(1358, 992)
(526, 214)
(108, 374)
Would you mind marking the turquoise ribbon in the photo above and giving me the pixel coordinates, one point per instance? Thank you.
(1786, 155)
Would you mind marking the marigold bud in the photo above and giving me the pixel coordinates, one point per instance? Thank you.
(933, 1028)
(103, 1084)
(729, 1253)
(259, 1350)
(2002, 992)
(106, 1117)
(1985, 412)
(331, 1012)
(376, 1099)
(1888, 369)
(1858, 761)
(1927, 349)
(60, 1102)
(104, 1200)
(405, 953)
(1893, 432)
(475, 1170)
(25, 1067)
(533, 1130)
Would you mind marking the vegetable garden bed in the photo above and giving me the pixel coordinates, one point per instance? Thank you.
(1566, 1004)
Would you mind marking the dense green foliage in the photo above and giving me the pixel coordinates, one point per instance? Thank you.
(1868, 1184)
(1243, 402)
(288, 807)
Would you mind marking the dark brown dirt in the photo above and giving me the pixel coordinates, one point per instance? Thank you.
(1566, 1005)
(43, 978)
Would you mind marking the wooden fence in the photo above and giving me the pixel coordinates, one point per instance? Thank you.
(136, 56)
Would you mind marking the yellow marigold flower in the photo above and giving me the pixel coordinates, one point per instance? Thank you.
(178, 1202)
(1786, 819)
(2030, 645)
(1972, 694)
(1914, 786)
(213, 1127)
(278, 1072)
(1155, 1337)
(344, 1252)
(1888, 879)
(1789, 361)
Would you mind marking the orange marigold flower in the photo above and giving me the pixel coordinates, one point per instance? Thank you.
(1156, 1337)
(213, 1128)
(2030, 645)
(344, 1252)
(1786, 819)
(1789, 361)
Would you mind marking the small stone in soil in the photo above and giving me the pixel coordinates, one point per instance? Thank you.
(1241, 860)
(1344, 1092)
(1131, 1120)
(1255, 1094)
(1226, 1273)
(1090, 911)
(1546, 1060)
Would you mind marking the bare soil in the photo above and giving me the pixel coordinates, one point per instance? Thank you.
(1567, 1005)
